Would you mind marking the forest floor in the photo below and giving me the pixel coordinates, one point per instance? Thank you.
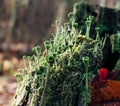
(7, 89)
(10, 62)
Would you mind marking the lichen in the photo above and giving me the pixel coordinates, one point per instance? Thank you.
(61, 75)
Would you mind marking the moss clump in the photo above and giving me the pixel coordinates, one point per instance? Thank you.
(60, 76)
(115, 39)
(105, 18)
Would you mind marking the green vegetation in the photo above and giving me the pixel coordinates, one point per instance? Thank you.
(115, 39)
(105, 23)
(105, 18)
(61, 75)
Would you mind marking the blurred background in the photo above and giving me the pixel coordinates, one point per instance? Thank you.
(25, 24)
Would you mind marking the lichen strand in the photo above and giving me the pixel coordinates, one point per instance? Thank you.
(58, 77)
(29, 89)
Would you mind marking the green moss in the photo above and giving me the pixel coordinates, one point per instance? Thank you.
(61, 76)
(115, 39)
(105, 18)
